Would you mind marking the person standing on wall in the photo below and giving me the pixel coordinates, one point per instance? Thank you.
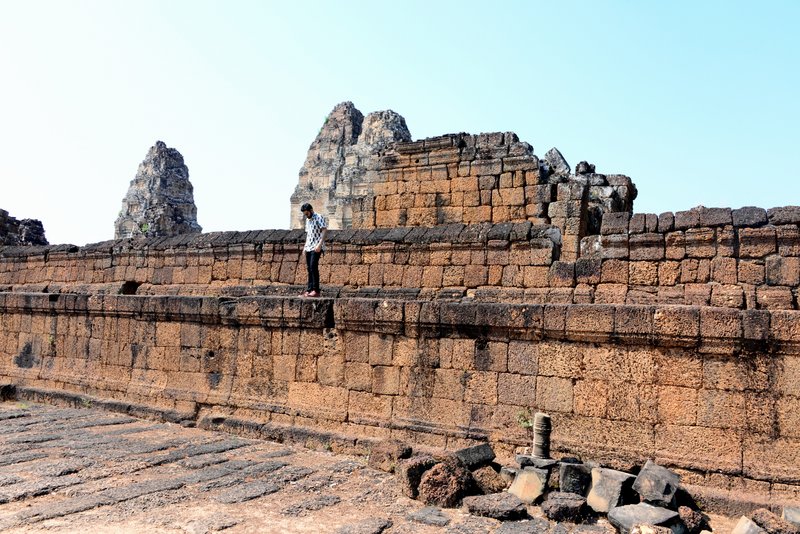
(316, 228)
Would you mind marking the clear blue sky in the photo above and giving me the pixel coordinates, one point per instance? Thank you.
(697, 101)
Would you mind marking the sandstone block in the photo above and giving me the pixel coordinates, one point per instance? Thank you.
(529, 484)
(666, 222)
(609, 489)
(562, 506)
(615, 223)
(475, 457)
(747, 526)
(574, 478)
(501, 506)
(749, 216)
(784, 215)
(628, 516)
(657, 484)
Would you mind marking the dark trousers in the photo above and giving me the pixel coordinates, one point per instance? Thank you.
(312, 264)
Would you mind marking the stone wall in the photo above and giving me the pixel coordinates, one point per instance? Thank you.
(20, 232)
(689, 261)
(709, 391)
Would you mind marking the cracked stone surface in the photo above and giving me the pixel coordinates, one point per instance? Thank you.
(102, 472)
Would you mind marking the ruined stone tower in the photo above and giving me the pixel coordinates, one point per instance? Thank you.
(160, 200)
(20, 232)
(342, 162)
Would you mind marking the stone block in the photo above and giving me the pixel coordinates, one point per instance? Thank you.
(657, 484)
(560, 506)
(757, 242)
(647, 246)
(791, 514)
(610, 488)
(501, 506)
(783, 271)
(745, 525)
(677, 322)
(445, 484)
(574, 478)
(475, 457)
(386, 454)
(715, 216)
(784, 215)
(687, 219)
(490, 481)
(529, 484)
(409, 473)
(615, 223)
(772, 523)
(666, 222)
(749, 216)
(628, 516)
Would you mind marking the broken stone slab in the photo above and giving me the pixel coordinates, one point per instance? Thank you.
(385, 455)
(657, 484)
(529, 484)
(773, 524)
(609, 488)
(534, 525)
(574, 478)
(508, 474)
(247, 492)
(562, 506)
(502, 506)
(446, 484)
(747, 526)
(430, 515)
(477, 456)
(409, 473)
(791, 514)
(489, 480)
(556, 161)
(630, 515)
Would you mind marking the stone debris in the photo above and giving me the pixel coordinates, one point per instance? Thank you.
(489, 480)
(694, 520)
(529, 484)
(430, 515)
(312, 505)
(247, 492)
(446, 484)
(791, 514)
(475, 457)
(772, 524)
(556, 162)
(385, 455)
(213, 523)
(409, 473)
(530, 526)
(574, 478)
(627, 516)
(160, 199)
(502, 506)
(563, 506)
(657, 484)
(747, 526)
(609, 488)
(20, 232)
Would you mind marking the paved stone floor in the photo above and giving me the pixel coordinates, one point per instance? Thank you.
(85, 470)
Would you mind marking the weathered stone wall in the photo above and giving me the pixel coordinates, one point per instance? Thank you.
(709, 391)
(462, 178)
(718, 264)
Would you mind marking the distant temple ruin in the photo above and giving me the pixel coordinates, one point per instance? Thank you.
(160, 200)
(20, 232)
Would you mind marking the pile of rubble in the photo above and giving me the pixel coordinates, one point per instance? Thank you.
(567, 490)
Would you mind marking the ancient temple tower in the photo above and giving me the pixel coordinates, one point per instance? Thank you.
(160, 200)
(342, 162)
(20, 232)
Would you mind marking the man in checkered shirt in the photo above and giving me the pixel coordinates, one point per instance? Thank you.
(316, 228)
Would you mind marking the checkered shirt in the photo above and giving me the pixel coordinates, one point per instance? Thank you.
(314, 227)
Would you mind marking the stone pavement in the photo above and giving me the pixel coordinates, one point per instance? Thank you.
(86, 470)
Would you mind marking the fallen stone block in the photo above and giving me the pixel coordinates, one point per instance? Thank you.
(409, 473)
(376, 525)
(694, 520)
(526, 460)
(477, 456)
(430, 515)
(610, 488)
(773, 524)
(791, 514)
(574, 478)
(562, 506)
(446, 484)
(529, 484)
(489, 481)
(385, 455)
(747, 526)
(508, 474)
(628, 516)
(503, 506)
(657, 484)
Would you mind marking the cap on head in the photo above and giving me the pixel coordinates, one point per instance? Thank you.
(306, 207)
